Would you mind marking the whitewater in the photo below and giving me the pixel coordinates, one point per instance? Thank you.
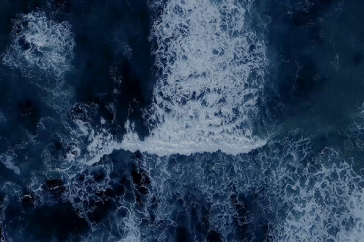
(203, 171)
(211, 68)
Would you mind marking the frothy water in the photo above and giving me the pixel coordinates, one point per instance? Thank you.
(92, 143)
(8, 161)
(40, 44)
(211, 72)
(212, 68)
(321, 202)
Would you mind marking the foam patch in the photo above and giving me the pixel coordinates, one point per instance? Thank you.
(40, 44)
(212, 67)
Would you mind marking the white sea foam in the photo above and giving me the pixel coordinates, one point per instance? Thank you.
(8, 161)
(326, 203)
(86, 144)
(212, 66)
(99, 142)
(39, 43)
(301, 196)
(2, 119)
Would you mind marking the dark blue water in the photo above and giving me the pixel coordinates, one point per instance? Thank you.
(179, 120)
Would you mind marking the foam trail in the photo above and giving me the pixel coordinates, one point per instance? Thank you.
(212, 67)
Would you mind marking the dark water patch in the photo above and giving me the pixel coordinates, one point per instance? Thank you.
(307, 81)
(213, 236)
(267, 235)
(122, 46)
(21, 105)
(182, 234)
(28, 201)
(304, 12)
(141, 182)
(99, 174)
(55, 186)
(358, 58)
(80, 112)
(312, 64)
(24, 44)
(29, 115)
(140, 179)
(101, 210)
(50, 223)
(249, 219)
(293, 37)
(58, 145)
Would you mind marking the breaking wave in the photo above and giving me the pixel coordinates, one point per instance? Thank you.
(211, 73)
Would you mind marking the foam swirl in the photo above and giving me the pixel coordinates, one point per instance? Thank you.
(40, 44)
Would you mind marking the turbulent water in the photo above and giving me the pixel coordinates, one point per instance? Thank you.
(181, 120)
(211, 67)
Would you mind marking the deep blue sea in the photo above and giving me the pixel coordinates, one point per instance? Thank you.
(181, 121)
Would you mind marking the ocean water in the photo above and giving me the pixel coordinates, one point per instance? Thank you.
(181, 120)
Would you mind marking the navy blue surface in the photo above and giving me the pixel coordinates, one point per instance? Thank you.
(311, 109)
